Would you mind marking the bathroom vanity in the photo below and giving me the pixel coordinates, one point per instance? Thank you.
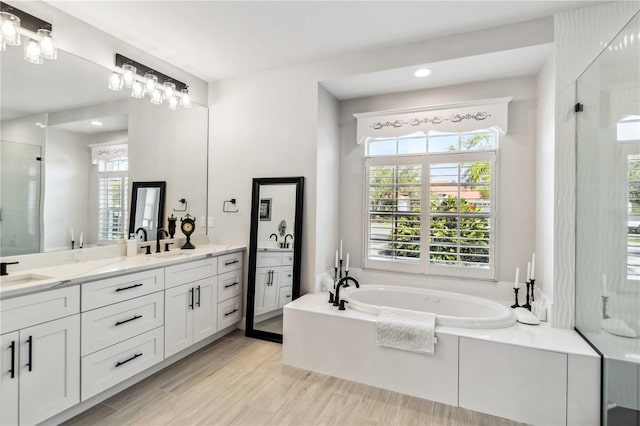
(73, 335)
(274, 279)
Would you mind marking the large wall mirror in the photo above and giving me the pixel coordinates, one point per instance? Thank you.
(274, 253)
(71, 149)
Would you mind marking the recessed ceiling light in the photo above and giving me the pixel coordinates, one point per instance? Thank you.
(96, 123)
(422, 72)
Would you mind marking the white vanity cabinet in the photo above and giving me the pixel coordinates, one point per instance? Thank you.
(229, 289)
(40, 374)
(274, 279)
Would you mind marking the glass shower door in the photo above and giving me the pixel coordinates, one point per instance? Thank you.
(608, 220)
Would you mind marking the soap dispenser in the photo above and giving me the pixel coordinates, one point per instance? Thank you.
(132, 245)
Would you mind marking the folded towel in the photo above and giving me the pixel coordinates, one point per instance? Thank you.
(407, 330)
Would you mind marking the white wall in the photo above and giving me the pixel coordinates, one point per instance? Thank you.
(580, 36)
(544, 177)
(516, 168)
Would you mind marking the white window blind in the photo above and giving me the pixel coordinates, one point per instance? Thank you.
(113, 198)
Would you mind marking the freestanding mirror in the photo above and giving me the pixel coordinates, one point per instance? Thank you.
(147, 208)
(274, 254)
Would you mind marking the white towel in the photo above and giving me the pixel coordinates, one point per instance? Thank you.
(407, 330)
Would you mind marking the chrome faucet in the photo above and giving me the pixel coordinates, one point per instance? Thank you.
(159, 237)
(344, 281)
(144, 232)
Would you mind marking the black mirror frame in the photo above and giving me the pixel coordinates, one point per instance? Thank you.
(134, 201)
(250, 331)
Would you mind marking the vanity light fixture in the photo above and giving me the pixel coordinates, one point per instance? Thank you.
(145, 81)
(16, 24)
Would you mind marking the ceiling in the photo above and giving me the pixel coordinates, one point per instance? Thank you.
(222, 39)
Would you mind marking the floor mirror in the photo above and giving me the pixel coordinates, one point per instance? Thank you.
(274, 253)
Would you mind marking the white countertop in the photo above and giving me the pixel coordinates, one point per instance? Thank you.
(76, 273)
(541, 336)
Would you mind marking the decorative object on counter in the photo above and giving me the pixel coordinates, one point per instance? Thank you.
(265, 209)
(132, 245)
(340, 278)
(527, 305)
(224, 206)
(73, 240)
(39, 42)
(182, 201)
(172, 225)
(81, 240)
(145, 81)
(188, 226)
(516, 289)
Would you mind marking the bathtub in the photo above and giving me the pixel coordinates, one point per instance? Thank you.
(451, 309)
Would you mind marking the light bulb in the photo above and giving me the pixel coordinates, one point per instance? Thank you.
(115, 82)
(169, 90)
(9, 28)
(185, 100)
(156, 97)
(422, 72)
(49, 50)
(33, 52)
(129, 75)
(173, 103)
(150, 82)
(137, 90)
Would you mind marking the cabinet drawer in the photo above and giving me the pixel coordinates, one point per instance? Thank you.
(190, 271)
(286, 276)
(287, 259)
(113, 290)
(109, 325)
(230, 262)
(229, 285)
(25, 311)
(229, 312)
(266, 259)
(117, 363)
(285, 296)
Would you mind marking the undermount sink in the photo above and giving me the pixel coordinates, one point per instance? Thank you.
(23, 279)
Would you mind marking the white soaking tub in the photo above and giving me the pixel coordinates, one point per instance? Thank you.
(451, 309)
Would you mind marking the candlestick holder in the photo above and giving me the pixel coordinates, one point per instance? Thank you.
(73, 244)
(605, 299)
(516, 305)
(527, 305)
(335, 277)
(340, 269)
(533, 293)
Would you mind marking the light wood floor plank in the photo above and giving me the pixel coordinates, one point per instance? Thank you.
(241, 381)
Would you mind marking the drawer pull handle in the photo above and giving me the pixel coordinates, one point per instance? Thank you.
(130, 319)
(13, 359)
(231, 285)
(30, 362)
(127, 288)
(231, 262)
(119, 363)
(231, 313)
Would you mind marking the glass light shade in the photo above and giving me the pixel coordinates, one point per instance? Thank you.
(173, 103)
(169, 90)
(48, 47)
(115, 82)
(33, 52)
(185, 100)
(150, 82)
(137, 90)
(156, 97)
(129, 75)
(9, 28)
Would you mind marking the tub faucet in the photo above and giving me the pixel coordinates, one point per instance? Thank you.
(274, 235)
(159, 237)
(144, 232)
(344, 282)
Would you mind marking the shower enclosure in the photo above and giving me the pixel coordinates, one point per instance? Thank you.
(608, 220)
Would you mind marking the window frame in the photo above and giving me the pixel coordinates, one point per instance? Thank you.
(424, 266)
(124, 197)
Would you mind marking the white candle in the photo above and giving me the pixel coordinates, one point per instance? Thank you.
(515, 283)
(533, 267)
(604, 285)
(340, 249)
(347, 267)
(81, 237)
(528, 271)
(336, 258)
(72, 239)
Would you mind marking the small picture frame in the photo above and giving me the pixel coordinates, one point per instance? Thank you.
(265, 209)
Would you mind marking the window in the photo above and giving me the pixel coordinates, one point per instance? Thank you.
(431, 203)
(112, 198)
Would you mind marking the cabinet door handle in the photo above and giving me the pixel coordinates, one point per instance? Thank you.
(231, 313)
(191, 297)
(271, 277)
(13, 359)
(30, 356)
(127, 288)
(289, 275)
(198, 300)
(130, 319)
(119, 363)
(231, 285)
(231, 262)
